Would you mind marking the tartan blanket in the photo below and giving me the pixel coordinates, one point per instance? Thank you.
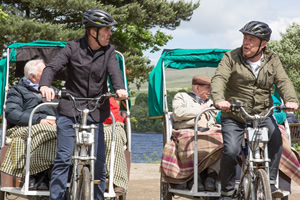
(177, 163)
(42, 150)
(120, 178)
(177, 159)
(289, 162)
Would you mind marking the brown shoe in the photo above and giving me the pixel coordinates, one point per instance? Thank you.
(119, 190)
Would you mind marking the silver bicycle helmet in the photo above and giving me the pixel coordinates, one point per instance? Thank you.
(258, 29)
(97, 18)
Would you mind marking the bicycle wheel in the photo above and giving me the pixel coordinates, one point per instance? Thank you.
(262, 185)
(85, 189)
(2, 195)
(164, 191)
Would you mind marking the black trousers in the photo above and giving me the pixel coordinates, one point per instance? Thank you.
(233, 133)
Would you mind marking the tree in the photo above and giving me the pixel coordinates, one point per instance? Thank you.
(61, 20)
(3, 15)
(289, 53)
(139, 116)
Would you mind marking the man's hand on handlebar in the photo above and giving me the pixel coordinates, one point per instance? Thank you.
(47, 93)
(223, 105)
(122, 94)
(292, 105)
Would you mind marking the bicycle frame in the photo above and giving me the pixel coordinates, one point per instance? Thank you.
(255, 136)
(83, 153)
(84, 139)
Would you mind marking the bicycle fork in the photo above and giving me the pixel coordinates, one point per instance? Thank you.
(256, 136)
(84, 150)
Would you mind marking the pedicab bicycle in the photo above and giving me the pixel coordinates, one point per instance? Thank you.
(177, 171)
(255, 179)
(248, 74)
(17, 55)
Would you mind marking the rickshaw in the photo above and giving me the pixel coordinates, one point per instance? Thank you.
(20, 53)
(180, 59)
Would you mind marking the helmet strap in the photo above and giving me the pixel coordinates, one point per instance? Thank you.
(96, 38)
(257, 52)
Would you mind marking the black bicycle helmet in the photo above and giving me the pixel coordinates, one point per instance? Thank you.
(258, 29)
(97, 18)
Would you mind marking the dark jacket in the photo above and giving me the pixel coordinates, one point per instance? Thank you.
(234, 80)
(86, 75)
(21, 100)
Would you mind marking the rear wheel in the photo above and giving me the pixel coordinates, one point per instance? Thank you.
(85, 189)
(2, 195)
(262, 185)
(122, 197)
(164, 191)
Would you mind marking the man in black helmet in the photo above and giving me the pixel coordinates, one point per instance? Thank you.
(88, 61)
(247, 74)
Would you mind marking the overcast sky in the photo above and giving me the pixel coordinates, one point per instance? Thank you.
(216, 23)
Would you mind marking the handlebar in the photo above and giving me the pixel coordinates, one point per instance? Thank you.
(239, 105)
(63, 94)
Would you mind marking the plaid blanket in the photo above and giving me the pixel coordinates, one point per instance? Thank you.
(177, 163)
(120, 167)
(177, 159)
(289, 162)
(42, 150)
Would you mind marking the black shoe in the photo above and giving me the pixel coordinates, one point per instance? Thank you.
(178, 186)
(225, 197)
(32, 183)
(210, 184)
(276, 193)
(42, 181)
(43, 186)
(190, 184)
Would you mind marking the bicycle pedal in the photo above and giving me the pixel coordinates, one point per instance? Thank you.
(97, 181)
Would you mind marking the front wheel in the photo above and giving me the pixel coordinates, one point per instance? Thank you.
(85, 188)
(262, 185)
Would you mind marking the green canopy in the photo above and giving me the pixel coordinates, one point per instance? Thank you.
(14, 58)
(20, 53)
(177, 59)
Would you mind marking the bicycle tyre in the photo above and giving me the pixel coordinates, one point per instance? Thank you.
(85, 189)
(2, 195)
(164, 191)
(262, 185)
(122, 197)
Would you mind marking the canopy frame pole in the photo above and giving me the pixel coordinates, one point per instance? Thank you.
(4, 122)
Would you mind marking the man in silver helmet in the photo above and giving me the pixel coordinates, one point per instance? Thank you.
(247, 74)
(89, 61)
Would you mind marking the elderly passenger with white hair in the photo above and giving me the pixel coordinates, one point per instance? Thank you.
(21, 100)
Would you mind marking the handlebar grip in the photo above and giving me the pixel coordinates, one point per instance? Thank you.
(282, 107)
(114, 95)
(64, 93)
(235, 106)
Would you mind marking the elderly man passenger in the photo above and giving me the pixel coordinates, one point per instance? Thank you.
(186, 107)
